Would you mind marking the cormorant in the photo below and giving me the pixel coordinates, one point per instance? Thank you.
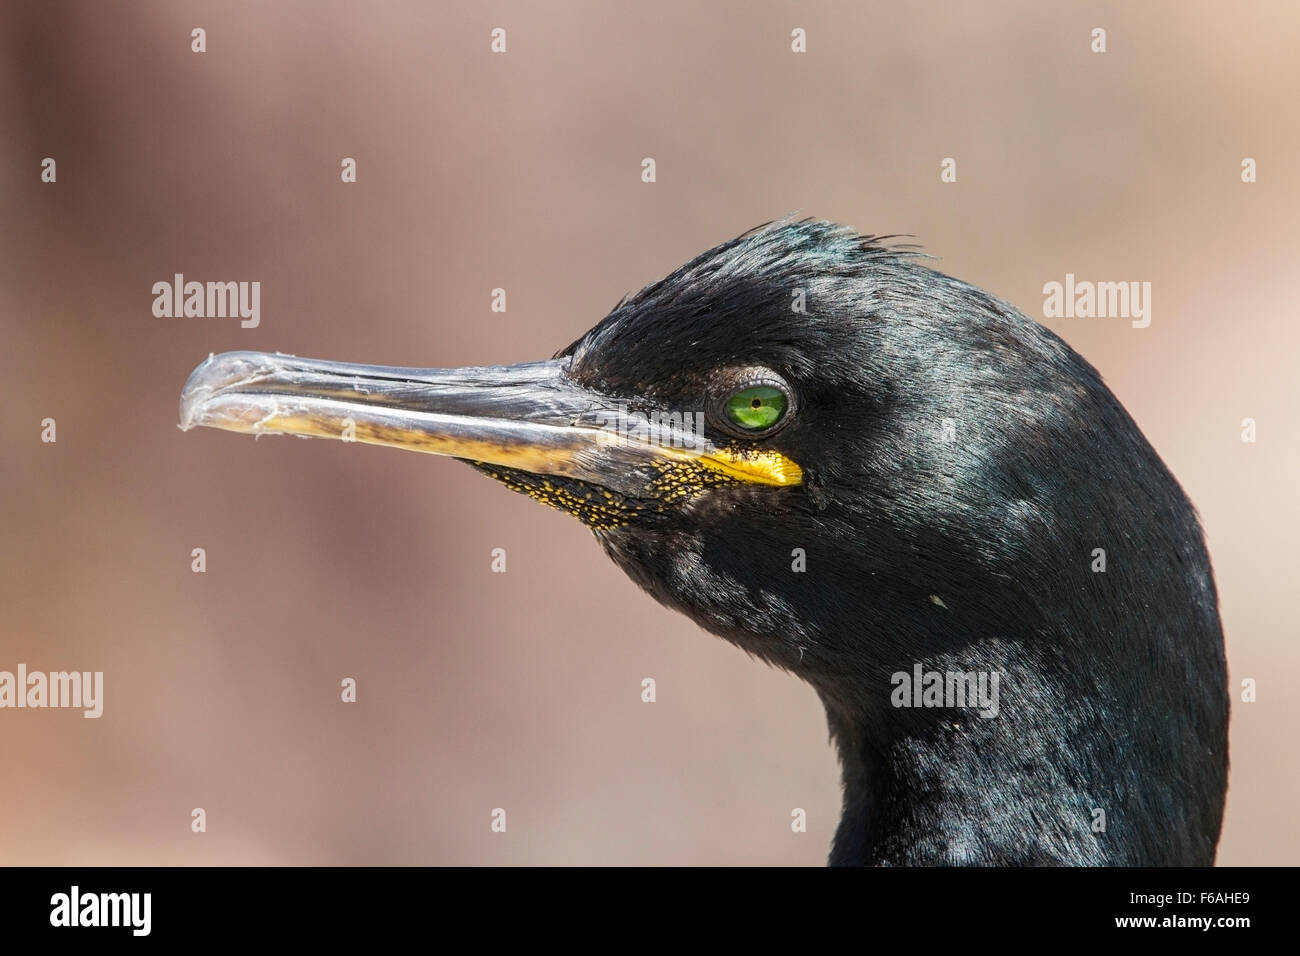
(868, 473)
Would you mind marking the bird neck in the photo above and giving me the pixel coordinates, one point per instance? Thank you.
(1071, 765)
(1108, 745)
(944, 785)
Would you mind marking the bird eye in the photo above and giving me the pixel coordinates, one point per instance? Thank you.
(751, 401)
(755, 409)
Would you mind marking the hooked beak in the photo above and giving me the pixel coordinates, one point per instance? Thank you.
(529, 417)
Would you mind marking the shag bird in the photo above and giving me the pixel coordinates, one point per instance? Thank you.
(889, 483)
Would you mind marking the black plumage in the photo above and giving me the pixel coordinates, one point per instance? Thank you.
(1114, 694)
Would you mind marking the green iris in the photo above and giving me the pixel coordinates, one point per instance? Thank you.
(757, 407)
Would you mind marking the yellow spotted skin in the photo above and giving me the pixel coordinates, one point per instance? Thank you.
(680, 481)
(597, 508)
(677, 482)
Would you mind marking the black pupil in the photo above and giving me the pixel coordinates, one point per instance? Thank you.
(756, 403)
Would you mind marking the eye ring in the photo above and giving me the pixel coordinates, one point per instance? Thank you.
(753, 403)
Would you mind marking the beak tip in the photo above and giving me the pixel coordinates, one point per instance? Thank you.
(192, 395)
(213, 374)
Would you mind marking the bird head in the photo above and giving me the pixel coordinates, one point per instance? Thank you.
(803, 438)
(849, 464)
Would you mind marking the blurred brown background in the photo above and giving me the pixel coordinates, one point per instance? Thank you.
(522, 170)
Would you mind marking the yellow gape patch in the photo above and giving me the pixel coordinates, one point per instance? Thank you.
(755, 466)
